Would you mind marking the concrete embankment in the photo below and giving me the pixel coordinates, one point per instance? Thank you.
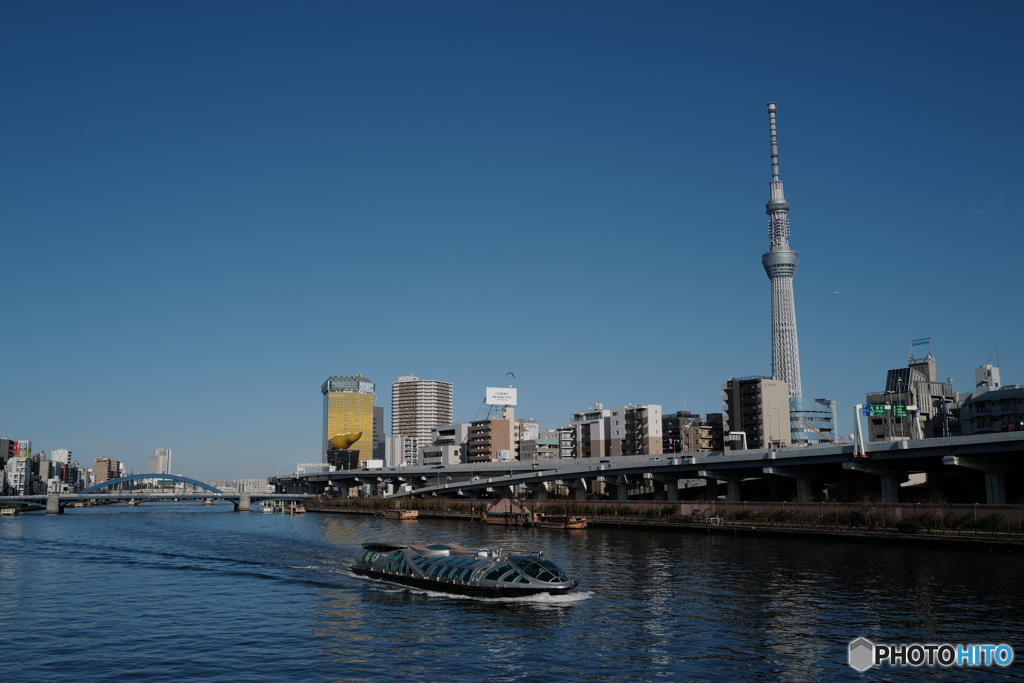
(968, 539)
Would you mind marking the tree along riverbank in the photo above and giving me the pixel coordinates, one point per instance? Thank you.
(966, 526)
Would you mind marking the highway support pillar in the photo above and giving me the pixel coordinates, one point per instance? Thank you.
(243, 502)
(53, 504)
(622, 492)
(804, 482)
(671, 485)
(995, 476)
(539, 492)
(732, 481)
(579, 488)
(936, 486)
(890, 479)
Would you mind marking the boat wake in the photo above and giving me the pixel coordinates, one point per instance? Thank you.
(566, 600)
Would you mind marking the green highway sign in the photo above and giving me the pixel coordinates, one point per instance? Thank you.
(899, 409)
(877, 410)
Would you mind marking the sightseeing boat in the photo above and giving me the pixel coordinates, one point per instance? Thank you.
(560, 521)
(452, 568)
(508, 512)
(401, 514)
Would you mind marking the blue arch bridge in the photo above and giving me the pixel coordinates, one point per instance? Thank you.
(144, 487)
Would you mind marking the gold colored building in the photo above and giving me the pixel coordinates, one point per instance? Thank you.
(348, 409)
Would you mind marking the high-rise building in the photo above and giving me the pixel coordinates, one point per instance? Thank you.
(780, 265)
(379, 448)
(758, 407)
(348, 416)
(61, 455)
(418, 406)
(104, 469)
(160, 461)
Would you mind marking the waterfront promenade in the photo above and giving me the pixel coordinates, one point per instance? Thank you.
(966, 526)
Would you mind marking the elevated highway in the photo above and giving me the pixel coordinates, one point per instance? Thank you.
(989, 459)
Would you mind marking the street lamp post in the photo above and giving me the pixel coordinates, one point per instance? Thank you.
(778, 418)
(888, 409)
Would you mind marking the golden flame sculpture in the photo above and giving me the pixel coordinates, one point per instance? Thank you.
(342, 442)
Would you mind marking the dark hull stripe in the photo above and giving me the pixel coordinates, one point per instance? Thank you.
(461, 589)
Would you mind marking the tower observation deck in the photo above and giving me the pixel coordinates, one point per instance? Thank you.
(780, 265)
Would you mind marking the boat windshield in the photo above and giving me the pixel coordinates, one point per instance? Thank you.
(536, 568)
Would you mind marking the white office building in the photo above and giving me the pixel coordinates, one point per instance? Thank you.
(160, 461)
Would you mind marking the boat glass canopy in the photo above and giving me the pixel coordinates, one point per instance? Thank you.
(535, 567)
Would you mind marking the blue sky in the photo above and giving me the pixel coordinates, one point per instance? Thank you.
(209, 208)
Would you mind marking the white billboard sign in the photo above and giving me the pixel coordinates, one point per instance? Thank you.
(501, 396)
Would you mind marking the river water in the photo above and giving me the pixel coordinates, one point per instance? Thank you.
(186, 592)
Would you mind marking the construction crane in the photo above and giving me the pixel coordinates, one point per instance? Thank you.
(816, 432)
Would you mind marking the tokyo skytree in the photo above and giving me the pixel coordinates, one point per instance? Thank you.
(780, 264)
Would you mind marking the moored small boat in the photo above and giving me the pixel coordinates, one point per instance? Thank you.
(508, 512)
(561, 521)
(401, 514)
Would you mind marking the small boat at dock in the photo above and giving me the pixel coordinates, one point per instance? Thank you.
(560, 521)
(508, 512)
(401, 514)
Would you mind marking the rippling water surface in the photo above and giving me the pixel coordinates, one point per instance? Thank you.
(183, 592)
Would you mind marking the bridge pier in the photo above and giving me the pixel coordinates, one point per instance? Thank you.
(995, 477)
(53, 504)
(890, 479)
(890, 489)
(243, 502)
(936, 486)
(621, 491)
(671, 486)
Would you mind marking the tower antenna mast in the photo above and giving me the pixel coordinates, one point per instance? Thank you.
(780, 265)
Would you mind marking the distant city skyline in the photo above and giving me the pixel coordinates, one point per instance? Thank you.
(206, 218)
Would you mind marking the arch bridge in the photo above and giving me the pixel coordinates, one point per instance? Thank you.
(133, 488)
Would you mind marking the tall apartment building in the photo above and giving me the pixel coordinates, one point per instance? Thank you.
(590, 432)
(399, 452)
(379, 448)
(626, 430)
(685, 432)
(992, 407)
(758, 407)
(418, 406)
(493, 439)
(672, 429)
(348, 417)
(104, 469)
(160, 461)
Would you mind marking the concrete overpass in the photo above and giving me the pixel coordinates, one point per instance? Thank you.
(884, 466)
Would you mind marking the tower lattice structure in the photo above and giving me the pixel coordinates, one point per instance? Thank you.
(780, 265)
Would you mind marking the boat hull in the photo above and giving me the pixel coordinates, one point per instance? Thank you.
(459, 588)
